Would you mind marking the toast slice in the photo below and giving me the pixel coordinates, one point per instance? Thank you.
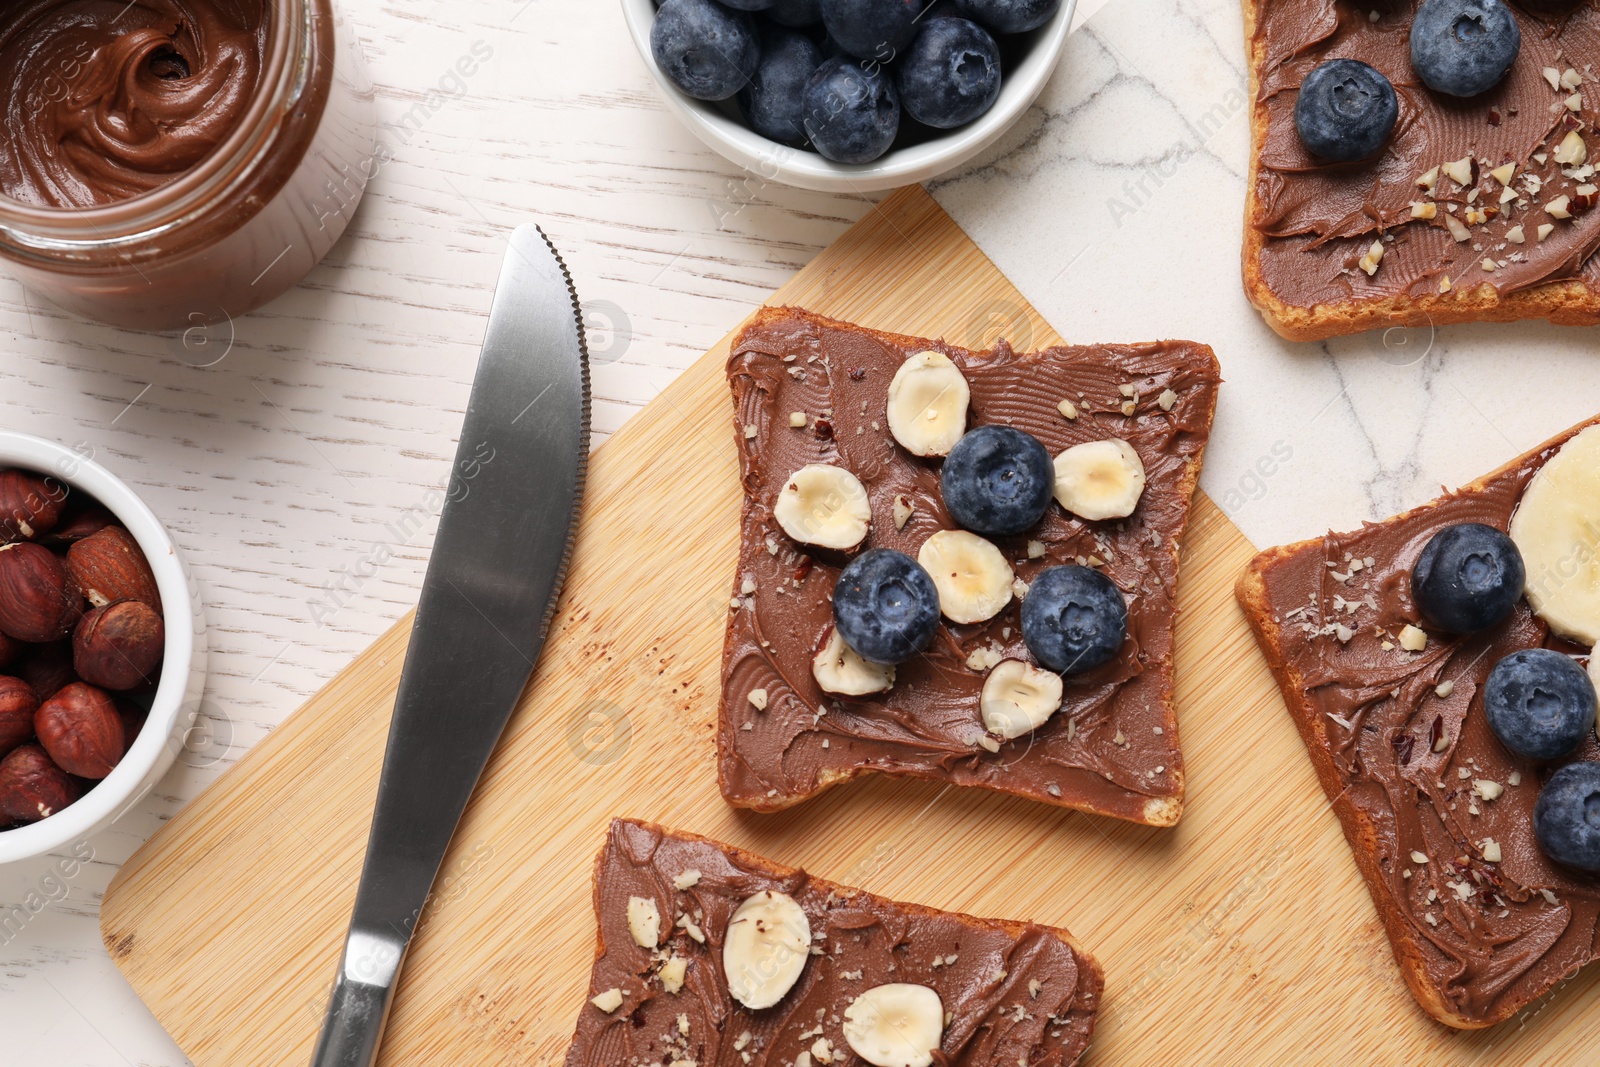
(1012, 992)
(1438, 814)
(1308, 224)
(1112, 748)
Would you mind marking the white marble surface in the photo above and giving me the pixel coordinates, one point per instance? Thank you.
(333, 411)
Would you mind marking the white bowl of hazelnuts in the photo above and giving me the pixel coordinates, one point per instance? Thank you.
(102, 648)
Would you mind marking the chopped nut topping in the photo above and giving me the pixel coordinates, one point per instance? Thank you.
(1068, 409)
(609, 1001)
(1490, 266)
(1422, 209)
(1459, 171)
(797, 419)
(1571, 79)
(758, 700)
(1515, 778)
(903, 507)
(1559, 207)
(1419, 858)
(1444, 284)
(1491, 850)
(1504, 173)
(1487, 789)
(1515, 235)
(673, 973)
(1457, 228)
(1444, 689)
(687, 880)
(750, 431)
(1553, 76)
(1412, 639)
(1545, 230)
(1429, 181)
(1370, 261)
(1129, 407)
(1572, 150)
(1167, 400)
(1036, 549)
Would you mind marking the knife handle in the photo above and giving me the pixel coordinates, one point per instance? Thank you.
(359, 1006)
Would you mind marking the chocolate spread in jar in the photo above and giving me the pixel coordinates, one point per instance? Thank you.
(105, 99)
(1317, 219)
(1407, 744)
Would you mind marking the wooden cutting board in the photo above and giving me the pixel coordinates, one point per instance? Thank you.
(1242, 936)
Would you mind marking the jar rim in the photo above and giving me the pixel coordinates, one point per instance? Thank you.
(290, 36)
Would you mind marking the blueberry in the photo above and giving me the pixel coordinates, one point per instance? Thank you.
(1463, 47)
(851, 112)
(1073, 619)
(1468, 578)
(950, 75)
(705, 49)
(872, 29)
(1346, 111)
(795, 13)
(747, 5)
(1567, 818)
(773, 101)
(1540, 703)
(885, 606)
(1011, 16)
(998, 481)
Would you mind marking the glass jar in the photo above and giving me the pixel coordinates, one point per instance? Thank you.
(247, 222)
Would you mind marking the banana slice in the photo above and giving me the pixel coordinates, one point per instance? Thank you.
(1018, 698)
(824, 505)
(973, 578)
(838, 669)
(1557, 529)
(1100, 479)
(896, 1025)
(644, 922)
(768, 943)
(928, 401)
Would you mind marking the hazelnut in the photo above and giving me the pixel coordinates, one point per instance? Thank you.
(108, 566)
(18, 702)
(118, 646)
(39, 602)
(32, 787)
(77, 525)
(30, 506)
(82, 730)
(48, 668)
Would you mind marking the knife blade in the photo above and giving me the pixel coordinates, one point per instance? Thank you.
(491, 587)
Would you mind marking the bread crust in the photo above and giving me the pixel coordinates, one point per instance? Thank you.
(1564, 303)
(1252, 594)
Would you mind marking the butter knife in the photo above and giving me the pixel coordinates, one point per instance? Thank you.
(491, 587)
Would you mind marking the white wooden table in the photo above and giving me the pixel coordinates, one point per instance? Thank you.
(292, 454)
(283, 456)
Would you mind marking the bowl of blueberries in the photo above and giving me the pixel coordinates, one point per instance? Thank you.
(849, 95)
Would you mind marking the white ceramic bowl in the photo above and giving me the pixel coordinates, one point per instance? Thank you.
(772, 161)
(183, 671)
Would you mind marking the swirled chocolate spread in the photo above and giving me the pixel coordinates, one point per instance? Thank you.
(1011, 992)
(1438, 812)
(1478, 221)
(108, 99)
(1112, 748)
